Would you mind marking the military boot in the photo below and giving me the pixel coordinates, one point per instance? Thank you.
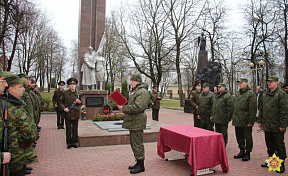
(282, 168)
(134, 166)
(246, 157)
(139, 167)
(240, 154)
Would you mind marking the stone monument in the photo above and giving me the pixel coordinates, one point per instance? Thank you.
(91, 33)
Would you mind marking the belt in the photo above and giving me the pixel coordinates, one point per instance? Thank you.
(25, 145)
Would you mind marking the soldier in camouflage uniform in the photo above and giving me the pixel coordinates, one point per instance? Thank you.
(222, 111)
(70, 102)
(273, 115)
(5, 156)
(155, 102)
(22, 129)
(194, 100)
(243, 118)
(28, 98)
(205, 108)
(60, 112)
(41, 103)
(135, 120)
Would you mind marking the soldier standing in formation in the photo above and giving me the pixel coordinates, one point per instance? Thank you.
(155, 102)
(22, 128)
(70, 102)
(243, 118)
(135, 120)
(272, 119)
(205, 108)
(6, 156)
(194, 100)
(60, 112)
(222, 111)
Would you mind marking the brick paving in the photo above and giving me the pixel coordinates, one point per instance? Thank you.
(55, 159)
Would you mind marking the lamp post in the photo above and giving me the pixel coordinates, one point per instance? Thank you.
(256, 67)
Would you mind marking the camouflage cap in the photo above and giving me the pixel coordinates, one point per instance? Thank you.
(242, 80)
(206, 85)
(272, 78)
(221, 85)
(136, 77)
(72, 81)
(4, 73)
(23, 75)
(14, 79)
(61, 83)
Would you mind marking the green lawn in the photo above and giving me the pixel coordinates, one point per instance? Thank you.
(171, 104)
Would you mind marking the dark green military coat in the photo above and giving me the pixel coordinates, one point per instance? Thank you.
(273, 111)
(194, 99)
(135, 116)
(222, 108)
(56, 97)
(153, 98)
(245, 108)
(22, 130)
(67, 100)
(205, 104)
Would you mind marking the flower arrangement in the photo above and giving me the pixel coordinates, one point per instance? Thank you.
(107, 109)
(108, 117)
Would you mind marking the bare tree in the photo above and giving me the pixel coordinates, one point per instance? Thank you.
(146, 42)
(183, 16)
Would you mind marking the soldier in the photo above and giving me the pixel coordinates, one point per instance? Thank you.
(194, 99)
(155, 102)
(6, 156)
(60, 112)
(28, 98)
(70, 102)
(222, 111)
(22, 129)
(272, 119)
(135, 120)
(243, 118)
(37, 92)
(205, 108)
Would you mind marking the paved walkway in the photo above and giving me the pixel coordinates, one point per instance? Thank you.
(55, 159)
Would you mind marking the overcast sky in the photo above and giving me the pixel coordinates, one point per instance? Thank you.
(65, 15)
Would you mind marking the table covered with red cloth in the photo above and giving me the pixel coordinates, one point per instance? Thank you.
(205, 148)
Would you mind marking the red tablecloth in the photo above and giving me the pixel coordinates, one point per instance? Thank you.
(205, 148)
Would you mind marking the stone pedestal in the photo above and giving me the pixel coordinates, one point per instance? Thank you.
(94, 101)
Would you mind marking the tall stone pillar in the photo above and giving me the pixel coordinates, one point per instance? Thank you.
(91, 28)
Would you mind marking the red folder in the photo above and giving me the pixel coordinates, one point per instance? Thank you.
(118, 98)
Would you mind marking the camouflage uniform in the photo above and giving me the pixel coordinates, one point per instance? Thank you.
(222, 112)
(156, 106)
(36, 104)
(244, 113)
(60, 111)
(136, 118)
(273, 114)
(22, 133)
(1, 133)
(72, 117)
(41, 103)
(205, 110)
(28, 99)
(194, 99)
